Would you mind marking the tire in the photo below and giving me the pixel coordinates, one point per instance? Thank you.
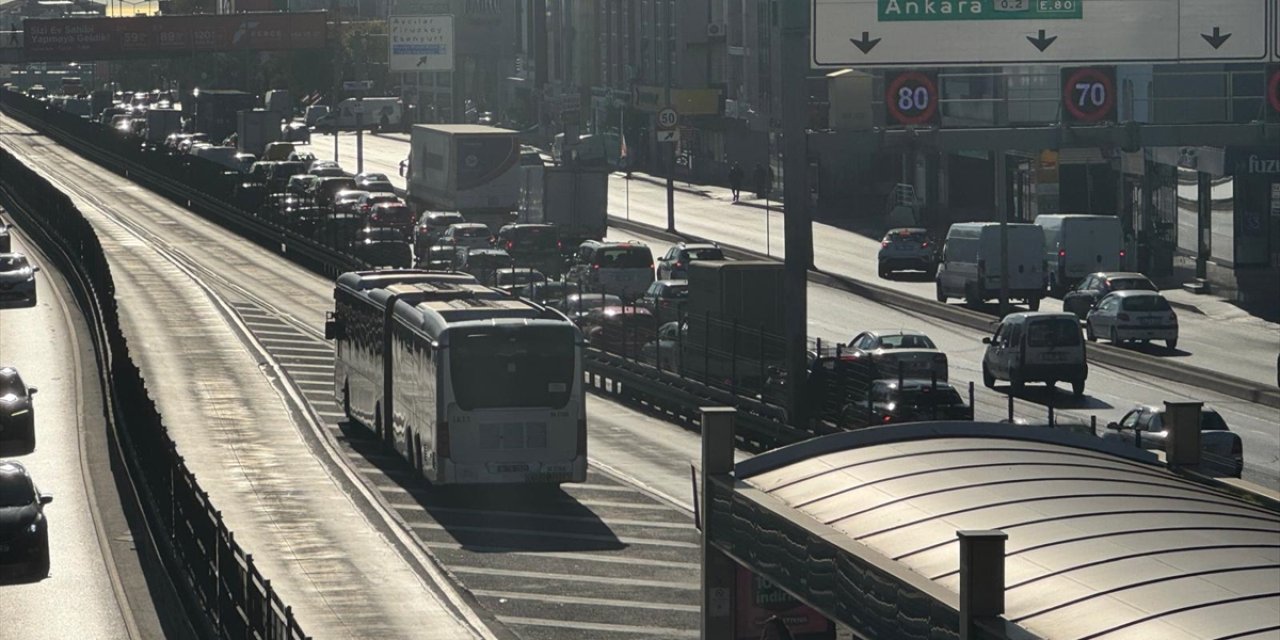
(1088, 331)
(1034, 304)
(346, 399)
(1015, 383)
(1172, 344)
(1115, 336)
(971, 298)
(1077, 388)
(40, 568)
(988, 380)
(932, 271)
(938, 293)
(884, 273)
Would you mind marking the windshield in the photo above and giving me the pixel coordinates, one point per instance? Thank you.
(704, 254)
(907, 341)
(1053, 332)
(470, 232)
(519, 366)
(535, 237)
(911, 236)
(1126, 284)
(444, 219)
(12, 263)
(676, 291)
(1146, 303)
(624, 258)
(942, 396)
(16, 491)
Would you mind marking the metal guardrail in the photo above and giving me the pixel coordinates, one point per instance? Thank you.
(221, 588)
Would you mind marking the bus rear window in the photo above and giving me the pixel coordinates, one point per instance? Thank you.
(501, 367)
(624, 258)
(1055, 332)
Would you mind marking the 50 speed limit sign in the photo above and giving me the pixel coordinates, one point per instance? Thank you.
(668, 118)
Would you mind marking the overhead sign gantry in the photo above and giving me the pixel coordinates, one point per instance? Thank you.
(931, 33)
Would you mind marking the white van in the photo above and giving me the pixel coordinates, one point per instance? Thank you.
(1076, 245)
(1036, 347)
(970, 267)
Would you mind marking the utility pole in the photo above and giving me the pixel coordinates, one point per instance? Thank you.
(671, 146)
(797, 228)
(337, 70)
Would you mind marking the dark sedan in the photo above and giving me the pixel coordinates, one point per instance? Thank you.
(17, 415)
(24, 531)
(1095, 286)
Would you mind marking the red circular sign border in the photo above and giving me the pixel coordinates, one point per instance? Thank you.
(1273, 89)
(900, 80)
(1096, 74)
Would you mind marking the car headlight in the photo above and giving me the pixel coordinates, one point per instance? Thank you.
(33, 527)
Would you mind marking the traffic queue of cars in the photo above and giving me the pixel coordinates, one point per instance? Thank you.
(24, 534)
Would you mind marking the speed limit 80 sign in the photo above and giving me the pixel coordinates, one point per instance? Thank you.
(1089, 94)
(911, 98)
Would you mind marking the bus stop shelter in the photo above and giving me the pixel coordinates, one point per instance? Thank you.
(982, 530)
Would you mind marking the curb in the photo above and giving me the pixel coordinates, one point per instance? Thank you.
(1105, 354)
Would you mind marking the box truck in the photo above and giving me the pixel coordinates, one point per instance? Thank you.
(255, 128)
(468, 168)
(1076, 245)
(575, 199)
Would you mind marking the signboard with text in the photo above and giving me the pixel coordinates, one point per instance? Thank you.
(86, 39)
(420, 43)
(931, 33)
(757, 600)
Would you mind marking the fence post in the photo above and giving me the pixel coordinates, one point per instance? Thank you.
(217, 570)
(763, 377)
(706, 345)
(971, 409)
(933, 392)
(1010, 408)
(1093, 424)
(1051, 396)
(733, 360)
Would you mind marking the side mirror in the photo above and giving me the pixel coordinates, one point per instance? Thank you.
(1113, 426)
(31, 391)
(332, 328)
(986, 340)
(46, 498)
(35, 268)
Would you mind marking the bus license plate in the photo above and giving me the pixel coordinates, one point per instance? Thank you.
(548, 476)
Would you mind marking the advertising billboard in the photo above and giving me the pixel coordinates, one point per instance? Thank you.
(759, 600)
(68, 39)
(420, 43)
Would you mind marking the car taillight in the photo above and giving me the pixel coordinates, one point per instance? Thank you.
(442, 439)
(924, 245)
(884, 243)
(375, 217)
(650, 266)
(1122, 253)
(679, 264)
(559, 245)
(510, 245)
(582, 437)
(1062, 253)
(424, 228)
(1123, 317)
(595, 267)
(887, 419)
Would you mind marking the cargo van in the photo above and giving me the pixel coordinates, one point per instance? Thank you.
(970, 267)
(1036, 347)
(1077, 245)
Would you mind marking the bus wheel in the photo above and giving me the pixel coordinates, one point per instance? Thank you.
(346, 399)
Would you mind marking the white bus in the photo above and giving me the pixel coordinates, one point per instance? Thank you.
(469, 384)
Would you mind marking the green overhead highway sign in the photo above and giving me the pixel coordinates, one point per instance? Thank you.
(930, 10)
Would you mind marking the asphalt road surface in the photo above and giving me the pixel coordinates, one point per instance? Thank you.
(333, 562)
(616, 556)
(96, 587)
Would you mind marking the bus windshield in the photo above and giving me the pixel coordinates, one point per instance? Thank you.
(501, 367)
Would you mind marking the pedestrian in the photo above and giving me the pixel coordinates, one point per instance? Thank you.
(775, 629)
(735, 179)
(760, 177)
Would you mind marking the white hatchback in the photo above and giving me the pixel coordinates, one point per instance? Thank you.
(1133, 315)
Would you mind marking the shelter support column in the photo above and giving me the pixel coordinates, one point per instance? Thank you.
(718, 570)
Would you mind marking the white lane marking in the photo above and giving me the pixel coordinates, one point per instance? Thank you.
(659, 632)
(557, 535)
(568, 555)
(574, 577)
(546, 516)
(599, 602)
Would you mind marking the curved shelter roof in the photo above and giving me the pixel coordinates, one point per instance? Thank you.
(1103, 540)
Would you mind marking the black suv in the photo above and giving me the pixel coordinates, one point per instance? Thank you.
(24, 532)
(533, 245)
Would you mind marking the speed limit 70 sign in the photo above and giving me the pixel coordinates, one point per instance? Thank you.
(1089, 94)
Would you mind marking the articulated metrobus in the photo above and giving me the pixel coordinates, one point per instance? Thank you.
(469, 384)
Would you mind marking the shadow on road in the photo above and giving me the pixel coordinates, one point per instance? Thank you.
(493, 518)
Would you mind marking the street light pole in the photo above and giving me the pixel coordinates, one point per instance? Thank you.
(797, 228)
(671, 150)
